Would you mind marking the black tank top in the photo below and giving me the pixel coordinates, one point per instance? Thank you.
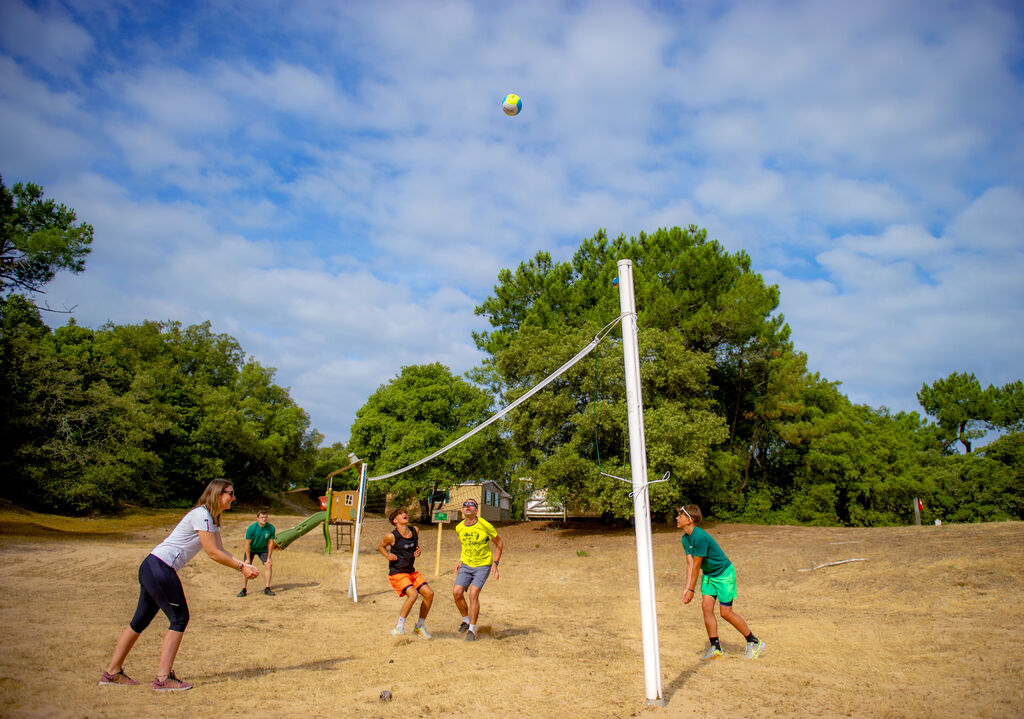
(404, 549)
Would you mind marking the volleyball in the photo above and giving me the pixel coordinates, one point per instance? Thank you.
(512, 104)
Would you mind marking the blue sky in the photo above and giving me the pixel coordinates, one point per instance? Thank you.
(335, 185)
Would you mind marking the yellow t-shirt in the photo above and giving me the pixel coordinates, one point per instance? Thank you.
(476, 542)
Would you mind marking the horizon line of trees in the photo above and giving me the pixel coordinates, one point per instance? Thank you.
(146, 414)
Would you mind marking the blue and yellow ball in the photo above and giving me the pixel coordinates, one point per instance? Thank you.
(512, 104)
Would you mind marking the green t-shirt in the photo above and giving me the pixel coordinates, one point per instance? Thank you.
(701, 544)
(476, 542)
(259, 537)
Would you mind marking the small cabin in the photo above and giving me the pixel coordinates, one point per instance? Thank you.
(343, 505)
(494, 502)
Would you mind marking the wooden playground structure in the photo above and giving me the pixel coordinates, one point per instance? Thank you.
(342, 508)
(341, 515)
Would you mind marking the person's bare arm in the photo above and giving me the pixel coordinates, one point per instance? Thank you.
(215, 549)
(691, 579)
(386, 542)
(499, 547)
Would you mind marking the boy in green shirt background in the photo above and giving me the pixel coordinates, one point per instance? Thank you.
(259, 542)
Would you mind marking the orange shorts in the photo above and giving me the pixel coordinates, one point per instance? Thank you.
(401, 582)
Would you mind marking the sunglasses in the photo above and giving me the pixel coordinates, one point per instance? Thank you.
(683, 510)
(469, 504)
(229, 491)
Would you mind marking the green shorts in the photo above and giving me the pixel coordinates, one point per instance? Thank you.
(722, 587)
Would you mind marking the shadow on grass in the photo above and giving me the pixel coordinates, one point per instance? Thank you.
(33, 530)
(681, 680)
(250, 673)
(509, 633)
(288, 587)
(380, 593)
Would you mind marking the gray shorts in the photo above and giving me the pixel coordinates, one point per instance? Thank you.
(475, 576)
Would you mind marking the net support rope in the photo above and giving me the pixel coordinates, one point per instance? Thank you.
(537, 388)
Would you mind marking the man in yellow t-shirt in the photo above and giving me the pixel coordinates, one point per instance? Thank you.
(476, 564)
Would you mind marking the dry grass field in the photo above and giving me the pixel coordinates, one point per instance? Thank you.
(930, 624)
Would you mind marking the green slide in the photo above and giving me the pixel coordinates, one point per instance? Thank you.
(283, 539)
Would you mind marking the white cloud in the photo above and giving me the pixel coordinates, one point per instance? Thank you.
(755, 192)
(995, 221)
(909, 242)
(46, 38)
(903, 308)
(173, 99)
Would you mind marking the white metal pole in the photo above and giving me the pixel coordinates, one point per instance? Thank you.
(355, 537)
(641, 503)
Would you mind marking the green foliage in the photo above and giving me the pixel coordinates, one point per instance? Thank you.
(730, 408)
(330, 459)
(38, 238)
(421, 410)
(964, 411)
(698, 307)
(139, 414)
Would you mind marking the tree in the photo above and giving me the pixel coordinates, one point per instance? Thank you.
(138, 414)
(38, 238)
(329, 459)
(1008, 407)
(421, 410)
(964, 411)
(707, 332)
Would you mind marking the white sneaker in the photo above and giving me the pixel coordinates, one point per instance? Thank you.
(398, 632)
(421, 632)
(712, 652)
(753, 650)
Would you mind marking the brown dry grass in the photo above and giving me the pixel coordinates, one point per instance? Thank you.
(929, 625)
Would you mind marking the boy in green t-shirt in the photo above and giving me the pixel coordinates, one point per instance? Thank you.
(259, 542)
(718, 584)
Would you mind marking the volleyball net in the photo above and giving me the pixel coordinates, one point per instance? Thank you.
(364, 480)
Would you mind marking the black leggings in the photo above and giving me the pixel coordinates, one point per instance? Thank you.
(161, 590)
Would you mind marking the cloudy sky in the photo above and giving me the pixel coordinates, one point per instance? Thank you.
(335, 185)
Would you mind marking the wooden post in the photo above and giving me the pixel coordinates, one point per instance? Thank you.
(437, 562)
(917, 511)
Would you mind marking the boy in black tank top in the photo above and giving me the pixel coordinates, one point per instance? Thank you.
(401, 547)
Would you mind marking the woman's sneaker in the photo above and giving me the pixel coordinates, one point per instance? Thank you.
(121, 679)
(170, 684)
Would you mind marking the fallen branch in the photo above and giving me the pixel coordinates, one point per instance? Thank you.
(832, 564)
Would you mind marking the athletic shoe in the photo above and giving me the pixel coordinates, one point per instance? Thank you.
(463, 628)
(122, 679)
(712, 652)
(241, 593)
(470, 636)
(171, 684)
(753, 650)
(269, 592)
(421, 632)
(398, 632)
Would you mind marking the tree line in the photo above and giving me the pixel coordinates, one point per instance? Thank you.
(146, 414)
(141, 414)
(731, 411)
